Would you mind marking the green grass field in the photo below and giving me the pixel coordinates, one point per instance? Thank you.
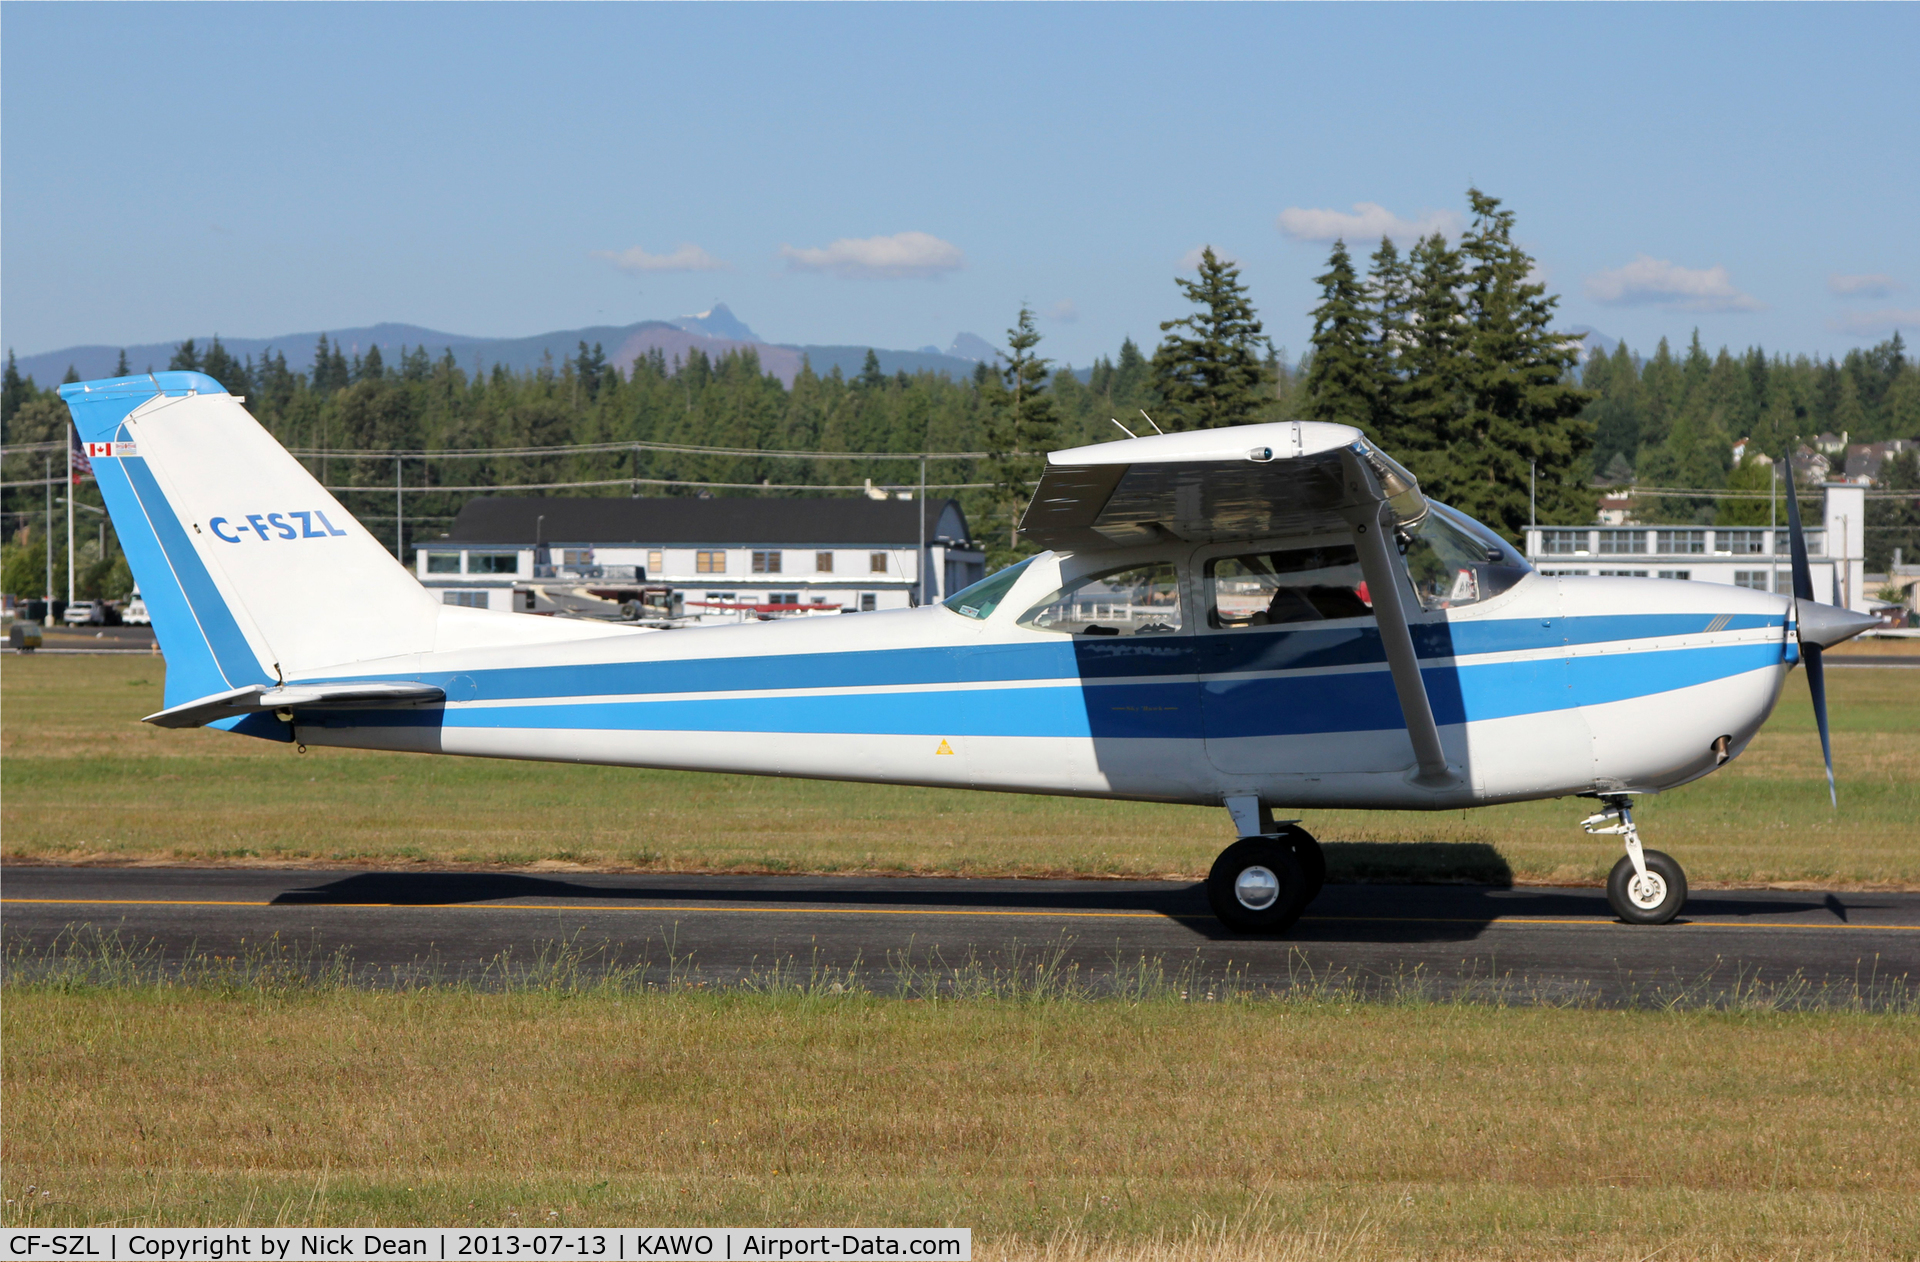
(85, 782)
(1054, 1127)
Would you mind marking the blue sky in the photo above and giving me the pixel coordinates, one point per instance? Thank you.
(890, 175)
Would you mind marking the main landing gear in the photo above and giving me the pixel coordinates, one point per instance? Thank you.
(1646, 887)
(1261, 883)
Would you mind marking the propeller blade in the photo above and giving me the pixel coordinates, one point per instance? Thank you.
(1817, 685)
(1809, 646)
(1802, 572)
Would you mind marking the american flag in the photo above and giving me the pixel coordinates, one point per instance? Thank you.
(78, 466)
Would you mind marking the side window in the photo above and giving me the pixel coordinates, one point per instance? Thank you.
(1138, 600)
(1299, 585)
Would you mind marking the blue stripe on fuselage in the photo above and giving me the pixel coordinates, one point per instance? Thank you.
(1265, 706)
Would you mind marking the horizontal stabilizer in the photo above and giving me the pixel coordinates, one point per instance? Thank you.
(254, 698)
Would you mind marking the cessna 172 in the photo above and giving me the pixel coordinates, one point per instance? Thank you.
(1268, 618)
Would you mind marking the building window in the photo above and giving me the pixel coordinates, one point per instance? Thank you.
(1681, 542)
(576, 556)
(1623, 542)
(877, 562)
(656, 562)
(1563, 542)
(1676, 574)
(493, 563)
(766, 563)
(710, 563)
(1623, 573)
(823, 562)
(1740, 543)
(783, 598)
(469, 600)
(443, 562)
(866, 602)
(1563, 573)
(1755, 580)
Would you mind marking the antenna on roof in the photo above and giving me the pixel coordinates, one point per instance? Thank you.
(1152, 422)
(1123, 429)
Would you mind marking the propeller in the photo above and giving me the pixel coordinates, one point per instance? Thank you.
(1820, 626)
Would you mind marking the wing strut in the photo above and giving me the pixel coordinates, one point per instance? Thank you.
(1373, 530)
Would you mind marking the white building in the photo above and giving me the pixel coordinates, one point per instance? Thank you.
(1744, 556)
(727, 557)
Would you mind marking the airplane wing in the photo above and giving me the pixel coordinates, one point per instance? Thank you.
(371, 694)
(1250, 482)
(1211, 486)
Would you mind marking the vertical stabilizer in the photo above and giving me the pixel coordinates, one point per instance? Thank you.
(251, 570)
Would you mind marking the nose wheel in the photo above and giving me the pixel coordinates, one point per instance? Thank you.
(1646, 887)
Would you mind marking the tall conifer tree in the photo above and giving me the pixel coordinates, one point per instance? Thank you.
(1020, 429)
(1340, 385)
(1210, 375)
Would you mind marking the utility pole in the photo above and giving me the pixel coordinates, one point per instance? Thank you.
(1533, 480)
(921, 564)
(46, 468)
(73, 480)
(399, 517)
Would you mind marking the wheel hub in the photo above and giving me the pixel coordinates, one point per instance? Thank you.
(1647, 890)
(1256, 888)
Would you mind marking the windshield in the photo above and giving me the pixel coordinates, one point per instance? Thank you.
(981, 599)
(1454, 560)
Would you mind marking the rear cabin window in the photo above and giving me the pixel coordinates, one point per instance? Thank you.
(1298, 585)
(1136, 600)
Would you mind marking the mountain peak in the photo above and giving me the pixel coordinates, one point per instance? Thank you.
(717, 321)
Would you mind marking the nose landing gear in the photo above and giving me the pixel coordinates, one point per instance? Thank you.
(1646, 887)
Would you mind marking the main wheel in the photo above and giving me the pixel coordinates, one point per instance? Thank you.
(1256, 886)
(1313, 860)
(1650, 900)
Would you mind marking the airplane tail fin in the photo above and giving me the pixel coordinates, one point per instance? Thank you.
(252, 572)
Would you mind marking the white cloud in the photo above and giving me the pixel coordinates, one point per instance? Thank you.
(1062, 312)
(1869, 285)
(1879, 323)
(687, 258)
(1191, 259)
(871, 258)
(1648, 281)
(1369, 221)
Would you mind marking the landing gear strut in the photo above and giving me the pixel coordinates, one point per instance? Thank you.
(1646, 887)
(1261, 883)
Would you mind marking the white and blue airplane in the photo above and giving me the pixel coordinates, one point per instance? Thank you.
(1269, 618)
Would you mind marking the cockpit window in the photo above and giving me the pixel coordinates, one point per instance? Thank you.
(1454, 560)
(1137, 600)
(981, 599)
(1298, 585)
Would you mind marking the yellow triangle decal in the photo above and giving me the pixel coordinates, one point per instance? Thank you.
(944, 748)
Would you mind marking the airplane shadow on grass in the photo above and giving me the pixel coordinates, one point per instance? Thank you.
(1424, 892)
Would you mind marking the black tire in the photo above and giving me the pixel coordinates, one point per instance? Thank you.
(1271, 897)
(1313, 860)
(1671, 880)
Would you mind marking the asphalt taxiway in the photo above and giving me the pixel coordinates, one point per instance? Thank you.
(1526, 942)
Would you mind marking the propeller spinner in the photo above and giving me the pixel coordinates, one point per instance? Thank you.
(1818, 626)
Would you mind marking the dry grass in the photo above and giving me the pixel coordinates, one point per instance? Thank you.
(1056, 1129)
(86, 782)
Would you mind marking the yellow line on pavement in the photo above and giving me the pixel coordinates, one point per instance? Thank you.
(935, 911)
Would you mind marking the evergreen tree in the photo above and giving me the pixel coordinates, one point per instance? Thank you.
(871, 378)
(186, 358)
(1390, 301)
(15, 391)
(220, 364)
(1019, 431)
(121, 367)
(73, 375)
(1521, 403)
(372, 368)
(1210, 375)
(1340, 386)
